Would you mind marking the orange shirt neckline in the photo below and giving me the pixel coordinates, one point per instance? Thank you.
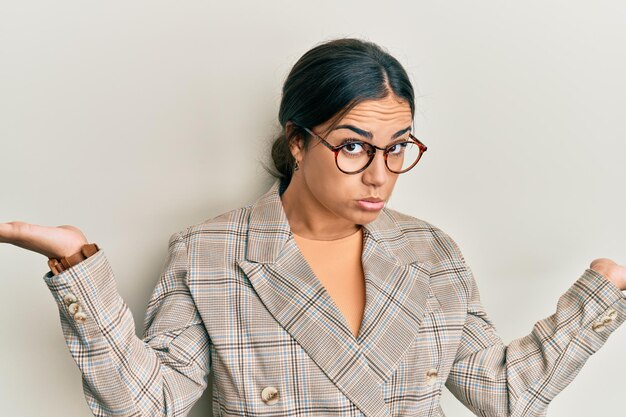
(333, 241)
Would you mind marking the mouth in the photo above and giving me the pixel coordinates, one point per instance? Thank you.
(371, 204)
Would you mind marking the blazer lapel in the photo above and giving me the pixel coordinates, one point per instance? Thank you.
(396, 292)
(397, 289)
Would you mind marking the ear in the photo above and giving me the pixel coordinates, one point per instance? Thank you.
(296, 145)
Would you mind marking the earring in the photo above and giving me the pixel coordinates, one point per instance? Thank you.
(296, 167)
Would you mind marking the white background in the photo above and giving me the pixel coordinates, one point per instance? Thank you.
(133, 120)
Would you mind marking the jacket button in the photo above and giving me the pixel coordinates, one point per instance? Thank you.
(605, 320)
(610, 315)
(73, 308)
(598, 327)
(269, 395)
(69, 298)
(80, 316)
(431, 376)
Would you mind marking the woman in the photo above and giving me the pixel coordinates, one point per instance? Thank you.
(316, 299)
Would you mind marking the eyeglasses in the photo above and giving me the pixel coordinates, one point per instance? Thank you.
(354, 156)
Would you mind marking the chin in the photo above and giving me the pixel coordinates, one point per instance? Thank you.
(365, 218)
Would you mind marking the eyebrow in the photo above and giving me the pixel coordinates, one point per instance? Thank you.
(369, 135)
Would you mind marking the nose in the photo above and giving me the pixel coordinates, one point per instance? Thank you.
(376, 173)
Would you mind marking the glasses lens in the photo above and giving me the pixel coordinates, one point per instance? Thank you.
(354, 156)
(402, 156)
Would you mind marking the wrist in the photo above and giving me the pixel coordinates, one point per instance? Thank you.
(59, 265)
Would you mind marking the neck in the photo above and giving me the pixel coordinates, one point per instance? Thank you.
(309, 218)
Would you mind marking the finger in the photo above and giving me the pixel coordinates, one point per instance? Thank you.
(22, 234)
(12, 231)
(5, 232)
(19, 234)
(49, 241)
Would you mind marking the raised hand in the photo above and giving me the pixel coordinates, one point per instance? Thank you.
(50, 241)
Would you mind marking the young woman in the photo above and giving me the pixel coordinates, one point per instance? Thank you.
(317, 300)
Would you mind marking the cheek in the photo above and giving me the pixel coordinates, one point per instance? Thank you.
(331, 187)
(322, 174)
(392, 182)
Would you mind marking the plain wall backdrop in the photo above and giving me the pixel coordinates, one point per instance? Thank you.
(133, 120)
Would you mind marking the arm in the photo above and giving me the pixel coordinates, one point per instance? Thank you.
(521, 379)
(162, 374)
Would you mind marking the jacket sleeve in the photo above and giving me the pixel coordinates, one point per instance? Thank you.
(162, 374)
(492, 379)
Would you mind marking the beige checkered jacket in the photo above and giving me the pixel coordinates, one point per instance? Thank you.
(237, 297)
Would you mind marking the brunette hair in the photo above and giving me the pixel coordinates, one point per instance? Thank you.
(327, 82)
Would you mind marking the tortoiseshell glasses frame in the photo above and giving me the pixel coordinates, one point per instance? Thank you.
(372, 152)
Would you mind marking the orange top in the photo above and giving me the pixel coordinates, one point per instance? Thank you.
(337, 264)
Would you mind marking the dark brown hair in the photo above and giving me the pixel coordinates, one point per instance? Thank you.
(326, 83)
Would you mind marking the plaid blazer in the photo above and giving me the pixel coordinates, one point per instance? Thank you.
(237, 297)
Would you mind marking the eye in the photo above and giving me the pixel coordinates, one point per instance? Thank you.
(352, 147)
(397, 148)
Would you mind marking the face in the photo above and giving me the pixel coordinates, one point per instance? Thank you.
(334, 195)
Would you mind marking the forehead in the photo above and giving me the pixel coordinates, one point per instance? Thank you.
(389, 111)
